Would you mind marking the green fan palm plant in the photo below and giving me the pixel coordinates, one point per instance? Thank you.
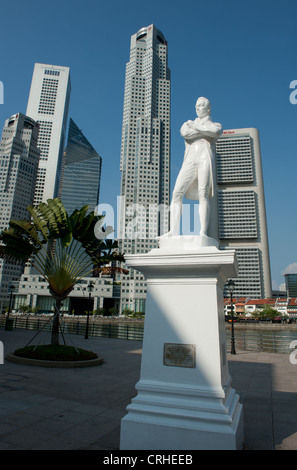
(62, 248)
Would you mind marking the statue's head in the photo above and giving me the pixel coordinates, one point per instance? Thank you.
(203, 107)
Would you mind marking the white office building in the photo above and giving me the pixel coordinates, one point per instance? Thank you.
(145, 154)
(33, 291)
(19, 157)
(241, 210)
(48, 104)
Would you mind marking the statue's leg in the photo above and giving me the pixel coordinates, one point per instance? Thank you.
(184, 180)
(203, 193)
(175, 212)
(203, 213)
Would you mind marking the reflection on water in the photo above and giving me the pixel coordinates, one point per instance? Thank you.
(113, 329)
(265, 338)
(270, 340)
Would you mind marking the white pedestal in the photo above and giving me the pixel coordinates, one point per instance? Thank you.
(184, 398)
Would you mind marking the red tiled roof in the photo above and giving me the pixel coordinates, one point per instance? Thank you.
(260, 302)
(247, 301)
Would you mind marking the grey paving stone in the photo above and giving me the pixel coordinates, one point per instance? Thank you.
(82, 408)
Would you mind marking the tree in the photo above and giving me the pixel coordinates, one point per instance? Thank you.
(24, 308)
(127, 312)
(62, 248)
(267, 313)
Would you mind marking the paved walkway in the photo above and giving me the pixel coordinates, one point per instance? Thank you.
(63, 409)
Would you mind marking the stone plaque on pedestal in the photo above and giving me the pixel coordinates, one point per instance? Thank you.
(179, 355)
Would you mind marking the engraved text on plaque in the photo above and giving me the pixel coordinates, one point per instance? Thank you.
(179, 355)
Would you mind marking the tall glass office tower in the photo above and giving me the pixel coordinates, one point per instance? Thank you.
(48, 104)
(241, 210)
(291, 284)
(145, 154)
(19, 157)
(81, 173)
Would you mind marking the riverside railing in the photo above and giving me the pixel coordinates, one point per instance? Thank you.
(78, 327)
(245, 339)
(261, 340)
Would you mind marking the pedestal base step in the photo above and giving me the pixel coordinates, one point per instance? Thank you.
(204, 423)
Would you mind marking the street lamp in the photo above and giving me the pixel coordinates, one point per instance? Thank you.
(90, 289)
(7, 322)
(231, 286)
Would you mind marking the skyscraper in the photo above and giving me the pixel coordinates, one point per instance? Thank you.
(291, 284)
(241, 210)
(48, 104)
(19, 157)
(145, 153)
(81, 172)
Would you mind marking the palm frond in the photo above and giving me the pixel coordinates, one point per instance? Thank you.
(40, 222)
(14, 246)
(63, 248)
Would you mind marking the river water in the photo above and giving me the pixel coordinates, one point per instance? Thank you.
(271, 339)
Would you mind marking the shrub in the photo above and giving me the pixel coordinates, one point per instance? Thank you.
(58, 352)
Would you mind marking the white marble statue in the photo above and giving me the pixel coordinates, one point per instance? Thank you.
(195, 179)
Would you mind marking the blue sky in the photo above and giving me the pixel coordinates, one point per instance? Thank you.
(239, 54)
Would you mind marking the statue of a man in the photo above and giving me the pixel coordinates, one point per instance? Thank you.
(195, 179)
